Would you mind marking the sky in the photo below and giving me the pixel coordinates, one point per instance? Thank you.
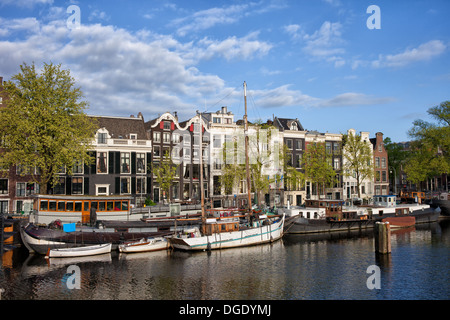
(333, 64)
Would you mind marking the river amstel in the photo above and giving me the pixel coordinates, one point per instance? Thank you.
(336, 266)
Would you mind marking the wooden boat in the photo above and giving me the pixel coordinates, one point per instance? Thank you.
(400, 222)
(79, 251)
(230, 232)
(145, 245)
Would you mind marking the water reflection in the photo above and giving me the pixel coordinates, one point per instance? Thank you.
(329, 266)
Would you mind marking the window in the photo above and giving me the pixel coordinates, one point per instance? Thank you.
(377, 162)
(328, 147)
(102, 189)
(133, 136)
(140, 162)
(20, 189)
(124, 162)
(156, 151)
(217, 141)
(156, 136)
(336, 163)
(77, 185)
(289, 143)
(383, 176)
(167, 125)
(78, 167)
(166, 137)
(124, 185)
(294, 126)
(101, 138)
(216, 120)
(3, 186)
(176, 138)
(298, 144)
(60, 188)
(383, 163)
(102, 162)
(141, 184)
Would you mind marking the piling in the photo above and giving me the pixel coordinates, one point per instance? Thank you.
(382, 237)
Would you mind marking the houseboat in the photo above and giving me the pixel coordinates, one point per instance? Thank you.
(332, 215)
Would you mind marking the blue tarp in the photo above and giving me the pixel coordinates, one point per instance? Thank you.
(69, 227)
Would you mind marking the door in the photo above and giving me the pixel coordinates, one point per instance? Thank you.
(85, 215)
(299, 200)
(156, 195)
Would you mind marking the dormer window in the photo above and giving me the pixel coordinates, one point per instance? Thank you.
(294, 126)
(133, 136)
(101, 138)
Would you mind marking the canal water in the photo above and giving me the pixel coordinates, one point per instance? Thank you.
(336, 266)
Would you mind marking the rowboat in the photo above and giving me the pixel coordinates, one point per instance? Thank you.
(79, 251)
(144, 245)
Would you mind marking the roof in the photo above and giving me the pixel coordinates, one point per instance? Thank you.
(285, 124)
(122, 126)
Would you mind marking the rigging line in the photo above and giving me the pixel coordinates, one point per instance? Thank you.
(232, 91)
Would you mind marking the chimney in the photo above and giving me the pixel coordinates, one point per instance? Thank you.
(224, 109)
(175, 114)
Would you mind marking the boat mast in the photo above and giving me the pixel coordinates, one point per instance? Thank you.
(202, 193)
(247, 166)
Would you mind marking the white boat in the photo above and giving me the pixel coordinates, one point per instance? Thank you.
(79, 251)
(145, 245)
(221, 234)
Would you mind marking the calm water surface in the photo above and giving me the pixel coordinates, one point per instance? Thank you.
(296, 268)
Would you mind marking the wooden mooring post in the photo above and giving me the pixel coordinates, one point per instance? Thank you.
(382, 237)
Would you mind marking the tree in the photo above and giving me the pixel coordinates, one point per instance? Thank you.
(43, 127)
(431, 146)
(165, 173)
(293, 179)
(318, 168)
(357, 159)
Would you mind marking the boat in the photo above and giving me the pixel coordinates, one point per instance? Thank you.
(442, 201)
(231, 231)
(332, 215)
(38, 239)
(400, 222)
(79, 251)
(144, 245)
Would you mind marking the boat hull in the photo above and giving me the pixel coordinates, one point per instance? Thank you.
(299, 225)
(145, 246)
(223, 240)
(80, 251)
(39, 239)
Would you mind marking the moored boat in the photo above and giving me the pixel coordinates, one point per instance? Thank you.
(331, 215)
(400, 222)
(144, 245)
(79, 251)
(230, 233)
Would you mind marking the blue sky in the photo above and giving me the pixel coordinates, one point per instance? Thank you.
(313, 60)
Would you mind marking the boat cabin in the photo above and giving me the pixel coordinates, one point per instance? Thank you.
(48, 208)
(333, 208)
(217, 226)
(385, 200)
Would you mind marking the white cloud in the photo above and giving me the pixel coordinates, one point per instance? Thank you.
(208, 18)
(231, 48)
(325, 41)
(424, 52)
(353, 99)
(26, 3)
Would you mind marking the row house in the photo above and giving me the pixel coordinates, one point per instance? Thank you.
(122, 153)
(333, 145)
(350, 186)
(381, 165)
(184, 143)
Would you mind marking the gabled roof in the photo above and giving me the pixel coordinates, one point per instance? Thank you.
(285, 124)
(122, 127)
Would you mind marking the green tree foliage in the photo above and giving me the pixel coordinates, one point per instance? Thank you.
(318, 168)
(357, 159)
(430, 149)
(165, 172)
(43, 127)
